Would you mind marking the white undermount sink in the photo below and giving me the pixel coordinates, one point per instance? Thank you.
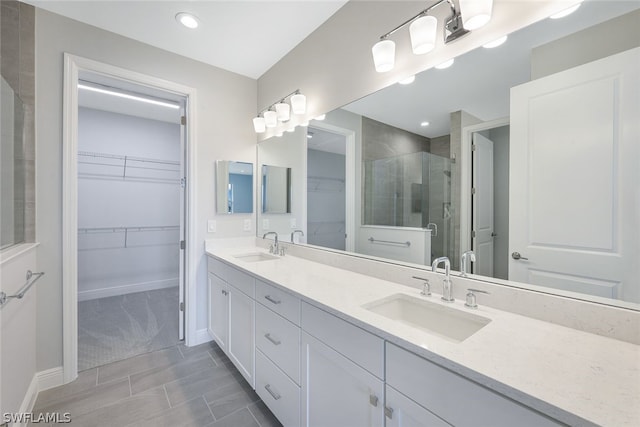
(255, 257)
(430, 317)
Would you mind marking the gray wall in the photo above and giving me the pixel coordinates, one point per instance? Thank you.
(226, 103)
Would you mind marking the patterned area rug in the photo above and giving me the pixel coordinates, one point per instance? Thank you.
(120, 327)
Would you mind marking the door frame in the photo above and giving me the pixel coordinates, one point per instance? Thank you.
(349, 182)
(73, 65)
(466, 159)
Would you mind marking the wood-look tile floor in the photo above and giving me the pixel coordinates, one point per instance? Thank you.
(176, 386)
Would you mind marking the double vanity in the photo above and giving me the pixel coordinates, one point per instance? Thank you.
(326, 346)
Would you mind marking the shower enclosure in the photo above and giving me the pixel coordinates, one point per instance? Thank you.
(412, 190)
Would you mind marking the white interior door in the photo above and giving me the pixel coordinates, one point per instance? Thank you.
(575, 161)
(482, 202)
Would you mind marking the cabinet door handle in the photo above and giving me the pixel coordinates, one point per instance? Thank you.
(272, 300)
(273, 394)
(225, 292)
(373, 400)
(388, 412)
(273, 340)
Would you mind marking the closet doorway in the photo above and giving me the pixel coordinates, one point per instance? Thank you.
(130, 164)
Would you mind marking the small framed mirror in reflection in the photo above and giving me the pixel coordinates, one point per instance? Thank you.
(234, 187)
(276, 189)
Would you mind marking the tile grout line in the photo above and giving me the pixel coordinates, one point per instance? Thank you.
(214, 360)
(167, 395)
(180, 351)
(130, 389)
(209, 407)
(253, 415)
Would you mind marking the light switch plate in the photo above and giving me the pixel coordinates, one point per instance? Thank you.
(211, 226)
(292, 221)
(247, 225)
(265, 224)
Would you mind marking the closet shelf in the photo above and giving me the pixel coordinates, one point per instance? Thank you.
(92, 238)
(325, 184)
(113, 166)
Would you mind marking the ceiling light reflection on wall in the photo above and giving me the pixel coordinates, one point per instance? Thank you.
(473, 14)
(495, 43)
(408, 80)
(188, 20)
(568, 11)
(445, 64)
(320, 117)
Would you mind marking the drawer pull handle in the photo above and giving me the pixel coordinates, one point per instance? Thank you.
(270, 299)
(388, 412)
(273, 394)
(373, 400)
(225, 292)
(273, 340)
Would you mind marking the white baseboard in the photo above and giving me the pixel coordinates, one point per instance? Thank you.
(50, 378)
(202, 336)
(127, 289)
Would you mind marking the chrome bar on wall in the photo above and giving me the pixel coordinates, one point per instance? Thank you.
(4, 298)
(389, 242)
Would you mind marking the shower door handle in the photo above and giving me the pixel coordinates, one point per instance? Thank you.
(517, 256)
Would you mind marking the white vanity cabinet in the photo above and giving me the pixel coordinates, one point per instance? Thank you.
(337, 390)
(232, 315)
(451, 397)
(400, 411)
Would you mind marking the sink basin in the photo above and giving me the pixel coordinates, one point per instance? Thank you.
(255, 257)
(436, 319)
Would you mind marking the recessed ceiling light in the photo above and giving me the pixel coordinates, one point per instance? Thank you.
(408, 80)
(188, 20)
(445, 64)
(424, 124)
(309, 136)
(495, 43)
(568, 11)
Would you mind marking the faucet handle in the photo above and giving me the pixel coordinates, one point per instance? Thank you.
(471, 297)
(426, 286)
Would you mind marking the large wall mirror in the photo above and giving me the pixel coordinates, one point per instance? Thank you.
(526, 153)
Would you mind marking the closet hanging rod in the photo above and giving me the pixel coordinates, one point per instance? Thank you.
(131, 158)
(86, 230)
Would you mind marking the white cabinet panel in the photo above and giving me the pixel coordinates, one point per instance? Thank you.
(279, 340)
(217, 267)
(283, 303)
(241, 280)
(277, 391)
(218, 310)
(400, 411)
(241, 348)
(336, 391)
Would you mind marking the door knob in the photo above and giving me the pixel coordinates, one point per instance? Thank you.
(517, 256)
(494, 234)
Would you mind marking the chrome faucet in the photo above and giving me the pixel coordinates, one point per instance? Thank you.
(294, 232)
(446, 285)
(471, 256)
(273, 249)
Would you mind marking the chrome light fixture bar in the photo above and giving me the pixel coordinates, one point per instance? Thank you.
(280, 111)
(472, 14)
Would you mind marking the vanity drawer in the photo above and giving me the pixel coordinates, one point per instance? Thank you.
(362, 347)
(277, 391)
(279, 340)
(217, 267)
(453, 398)
(241, 280)
(283, 303)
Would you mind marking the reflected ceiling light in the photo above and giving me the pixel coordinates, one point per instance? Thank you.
(408, 80)
(445, 64)
(188, 20)
(566, 12)
(290, 130)
(423, 28)
(304, 124)
(128, 96)
(321, 117)
(495, 43)
(475, 13)
(280, 111)
(309, 135)
(424, 124)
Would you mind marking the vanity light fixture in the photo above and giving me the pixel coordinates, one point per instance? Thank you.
(568, 11)
(495, 43)
(473, 14)
(280, 111)
(445, 64)
(188, 20)
(407, 81)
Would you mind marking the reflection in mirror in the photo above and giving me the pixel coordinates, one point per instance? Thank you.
(525, 153)
(234, 187)
(276, 189)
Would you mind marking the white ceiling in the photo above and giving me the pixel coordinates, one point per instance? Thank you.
(246, 37)
(479, 81)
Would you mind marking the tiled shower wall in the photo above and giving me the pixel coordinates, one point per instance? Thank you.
(17, 63)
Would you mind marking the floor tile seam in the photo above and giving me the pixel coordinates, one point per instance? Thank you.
(167, 395)
(73, 397)
(145, 370)
(253, 415)
(170, 382)
(210, 411)
(236, 411)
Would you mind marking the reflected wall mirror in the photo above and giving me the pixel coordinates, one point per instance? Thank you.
(526, 153)
(234, 187)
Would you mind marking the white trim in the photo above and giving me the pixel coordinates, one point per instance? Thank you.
(16, 251)
(350, 179)
(202, 336)
(72, 67)
(29, 399)
(128, 289)
(50, 378)
(465, 178)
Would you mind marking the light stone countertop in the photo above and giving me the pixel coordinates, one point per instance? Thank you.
(573, 376)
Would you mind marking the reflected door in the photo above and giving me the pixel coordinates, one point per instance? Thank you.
(574, 213)
(483, 226)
